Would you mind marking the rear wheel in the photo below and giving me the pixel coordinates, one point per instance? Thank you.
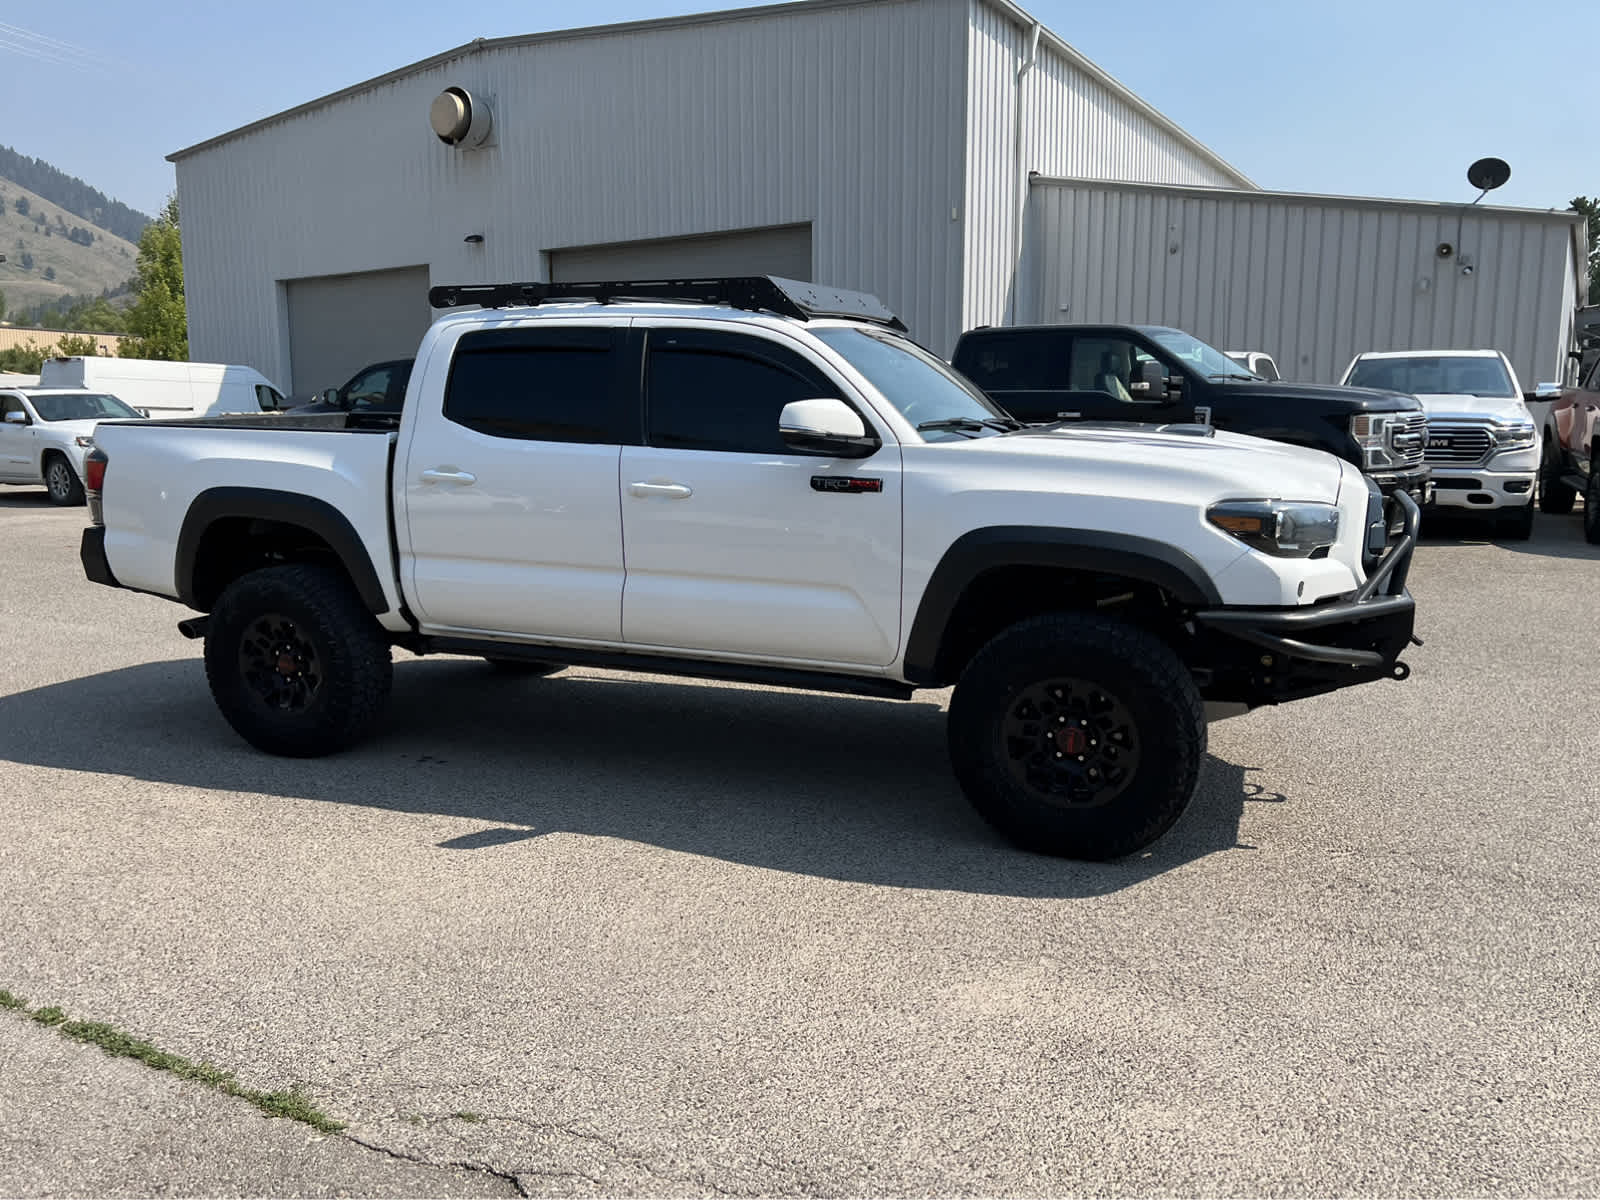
(61, 481)
(1076, 735)
(1591, 503)
(296, 663)
(1555, 497)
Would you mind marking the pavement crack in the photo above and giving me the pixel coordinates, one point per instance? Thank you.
(481, 1168)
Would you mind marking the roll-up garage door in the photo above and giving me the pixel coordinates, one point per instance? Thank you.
(782, 250)
(341, 323)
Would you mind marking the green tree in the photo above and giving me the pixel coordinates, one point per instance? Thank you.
(50, 273)
(158, 321)
(22, 205)
(25, 359)
(71, 345)
(1590, 208)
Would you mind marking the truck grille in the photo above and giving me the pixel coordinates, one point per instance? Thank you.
(1407, 437)
(1456, 444)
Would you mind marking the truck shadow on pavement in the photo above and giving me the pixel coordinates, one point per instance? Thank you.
(1554, 536)
(835, 787)
(12, 498)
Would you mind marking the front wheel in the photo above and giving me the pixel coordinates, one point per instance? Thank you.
(1555, 497)
(295, 661)
(1076, 735)
(1518, 526)
(61, 481)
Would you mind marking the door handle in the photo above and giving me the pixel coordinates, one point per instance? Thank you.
(671, 491)
(446, 475)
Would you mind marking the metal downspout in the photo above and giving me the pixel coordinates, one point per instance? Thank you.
(1021, 199)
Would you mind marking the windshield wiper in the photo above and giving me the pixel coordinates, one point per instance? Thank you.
(1227, 375)
(1004, 424)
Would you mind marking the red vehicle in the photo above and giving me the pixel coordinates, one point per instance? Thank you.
(1570, 461)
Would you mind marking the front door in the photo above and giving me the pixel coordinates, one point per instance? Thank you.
(510, 490)
(1105, 377)
(736, 544)
(16, 444)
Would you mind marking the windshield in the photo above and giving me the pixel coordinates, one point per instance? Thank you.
(922, 387)
(79, 406)
(1434, 375)
(1196, 355)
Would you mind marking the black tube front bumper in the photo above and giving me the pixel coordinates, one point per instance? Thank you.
(92, 553)
(1269, 655)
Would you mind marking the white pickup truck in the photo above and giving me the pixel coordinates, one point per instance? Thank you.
(760, 480)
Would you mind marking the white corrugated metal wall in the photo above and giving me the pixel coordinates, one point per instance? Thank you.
(846, 116)
(1075, 121)
(1312, 280)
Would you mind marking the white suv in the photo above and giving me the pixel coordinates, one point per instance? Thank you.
(45, 433)
(1483, 445)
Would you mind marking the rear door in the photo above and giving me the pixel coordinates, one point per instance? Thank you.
(737, 544)
(510, 488)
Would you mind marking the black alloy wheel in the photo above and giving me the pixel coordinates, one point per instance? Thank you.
(280, 664)
(1070, 743)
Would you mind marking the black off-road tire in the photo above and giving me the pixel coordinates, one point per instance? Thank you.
(1133, 674)
(61, 481)
(295, 661)
(1591, 502)
(525, 668)
(1555, 497)
(1517, 525)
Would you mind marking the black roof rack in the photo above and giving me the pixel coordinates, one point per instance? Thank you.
(755, 293)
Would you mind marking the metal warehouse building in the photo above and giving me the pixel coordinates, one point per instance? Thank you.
(951, 156)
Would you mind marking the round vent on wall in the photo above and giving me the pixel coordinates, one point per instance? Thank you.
(459, 118)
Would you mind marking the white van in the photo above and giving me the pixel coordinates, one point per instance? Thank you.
(167, 389)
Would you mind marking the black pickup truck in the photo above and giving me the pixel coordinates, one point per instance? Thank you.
(1042, 374)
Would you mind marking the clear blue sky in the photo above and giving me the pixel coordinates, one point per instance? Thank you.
(1359, 96)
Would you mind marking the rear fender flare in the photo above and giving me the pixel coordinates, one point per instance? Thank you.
(285, 508)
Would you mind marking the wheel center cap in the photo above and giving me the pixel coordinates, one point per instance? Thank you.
(287, 664)
(1071, 740)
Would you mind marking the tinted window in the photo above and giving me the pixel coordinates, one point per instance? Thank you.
(80, 406)
(1014, 362)
(268, 399)
(10, 404)
(547, 385)
(1110, 364)
(368, 388)
(723, 391)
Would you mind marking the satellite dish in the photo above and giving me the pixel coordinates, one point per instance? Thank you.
(1487, 174)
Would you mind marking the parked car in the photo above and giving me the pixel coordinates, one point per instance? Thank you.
(1483, 446)
(808, 499)
(45, 434)
(1257, 362)
(1046, 374)
(1570, 458)
(167, 389)
(380, 388)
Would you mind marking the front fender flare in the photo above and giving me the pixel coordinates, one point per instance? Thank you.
(973, 554)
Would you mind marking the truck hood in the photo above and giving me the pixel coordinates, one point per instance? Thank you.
(1327, 395)
(1504, 408)
(1221, 465)
(69, 429)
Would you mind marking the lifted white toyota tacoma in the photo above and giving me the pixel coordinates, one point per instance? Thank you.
(755, 479)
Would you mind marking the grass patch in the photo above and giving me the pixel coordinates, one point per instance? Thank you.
(468, 1116)
(292, 1104)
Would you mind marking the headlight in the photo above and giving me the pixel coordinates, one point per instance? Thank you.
(1286, 528)
(1517, 435)
(86, 443)
(1371, 432)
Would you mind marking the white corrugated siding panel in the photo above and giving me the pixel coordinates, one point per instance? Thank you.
(849, 118)
(1073, 124)
(1311, 280)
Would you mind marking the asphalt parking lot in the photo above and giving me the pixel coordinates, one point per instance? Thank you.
(609, 935)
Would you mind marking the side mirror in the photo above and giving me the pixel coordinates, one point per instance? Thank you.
(1149, 382)
(825, 427)
(16, 418)
(1547, 391)
(328, 396)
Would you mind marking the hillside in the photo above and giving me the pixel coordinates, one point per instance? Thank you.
(105, 262)
(90, 204)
